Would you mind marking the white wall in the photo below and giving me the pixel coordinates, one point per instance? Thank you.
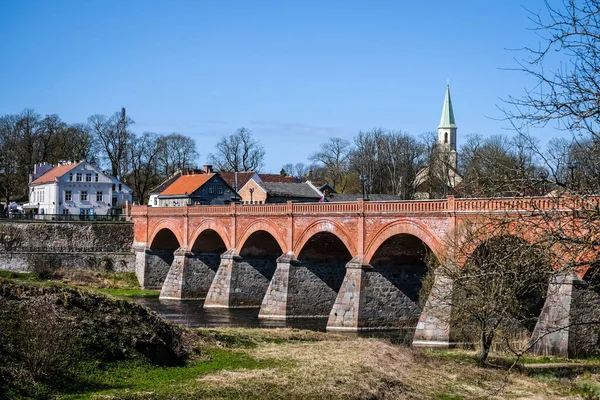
(53, 200)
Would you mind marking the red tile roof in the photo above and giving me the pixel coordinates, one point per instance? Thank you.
(54, 173)
(242, 178)
(276, 178)
(186, 184)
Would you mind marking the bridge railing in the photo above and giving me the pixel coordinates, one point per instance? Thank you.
(407, 206)
(396, 207)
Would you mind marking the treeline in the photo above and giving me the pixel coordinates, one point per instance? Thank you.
(140, 160)
(491, 166)
(384, 161)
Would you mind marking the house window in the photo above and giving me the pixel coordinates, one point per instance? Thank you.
(96, 177)
(65, 212)
(68, 195)
(78, 177)
(84, 196)
(99, 196)
(119, 187)
(88, 177)
(114, 187)
(219, 189)
(211, 189)
(71, 177)
(156, 201)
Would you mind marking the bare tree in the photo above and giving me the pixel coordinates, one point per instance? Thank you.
(77, 143)
(143, 175)
(114, 135)
(298, 170)
(500, 289)
(334, 158)
(238, 152)
(176, 152)
(12, 183)
(498, 166)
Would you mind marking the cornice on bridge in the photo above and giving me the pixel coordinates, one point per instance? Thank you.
(450, 204)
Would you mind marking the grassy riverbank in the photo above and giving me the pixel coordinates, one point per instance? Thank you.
(291, 364)
(115, 349)
(120, 284)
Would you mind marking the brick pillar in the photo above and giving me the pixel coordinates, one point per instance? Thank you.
(220, 289)
(274, 304)
(345, 312)
(433, 328)
(554, 331)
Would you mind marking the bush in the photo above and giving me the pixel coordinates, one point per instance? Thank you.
(44, 265)
(46, 337)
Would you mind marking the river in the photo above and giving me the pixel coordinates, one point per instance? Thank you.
(191, 313)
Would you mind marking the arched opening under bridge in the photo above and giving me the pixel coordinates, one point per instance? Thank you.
(500, 290)
(316, 280)
(255, 269)
(394, 290)
(199, 266)
(160, 257)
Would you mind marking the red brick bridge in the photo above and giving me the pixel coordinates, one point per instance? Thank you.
(361, 264)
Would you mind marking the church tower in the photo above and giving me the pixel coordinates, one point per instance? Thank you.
(447, 130)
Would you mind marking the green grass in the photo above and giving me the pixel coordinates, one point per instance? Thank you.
(141, 380)
(128, 292)
(120, 284)
(21, 276)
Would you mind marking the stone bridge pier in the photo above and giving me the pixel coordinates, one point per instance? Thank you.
(242, 279)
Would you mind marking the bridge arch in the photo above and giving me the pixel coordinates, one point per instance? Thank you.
(326, 225)
(158, 233)
(210, 224)
(470, 235)
(405, 227)
(267, 226)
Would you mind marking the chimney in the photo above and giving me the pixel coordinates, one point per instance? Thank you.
(208, 169)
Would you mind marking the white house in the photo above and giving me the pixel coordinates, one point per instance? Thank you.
(76, 188)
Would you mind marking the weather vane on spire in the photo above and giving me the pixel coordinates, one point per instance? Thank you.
(447, 82)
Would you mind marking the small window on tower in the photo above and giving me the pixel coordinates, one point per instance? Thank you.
(446, 137)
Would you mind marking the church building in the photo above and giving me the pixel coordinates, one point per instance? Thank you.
(441, 177)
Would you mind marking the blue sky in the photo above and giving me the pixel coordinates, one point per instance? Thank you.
(294, 72)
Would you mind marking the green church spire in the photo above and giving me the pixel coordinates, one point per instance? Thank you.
(447, 120)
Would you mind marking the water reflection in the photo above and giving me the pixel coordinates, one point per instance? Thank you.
(191, 314)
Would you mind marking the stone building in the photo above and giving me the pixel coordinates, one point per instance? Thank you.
(75, 188)
(442, 175)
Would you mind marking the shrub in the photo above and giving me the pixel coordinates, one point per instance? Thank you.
(44, 265)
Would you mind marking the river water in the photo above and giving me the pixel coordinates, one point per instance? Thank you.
(191, 313)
